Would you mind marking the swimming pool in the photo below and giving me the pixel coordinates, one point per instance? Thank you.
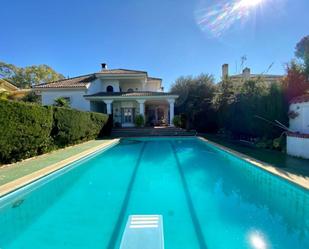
(208, 198)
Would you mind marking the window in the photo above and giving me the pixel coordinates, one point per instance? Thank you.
(130, 90)
(109, 89)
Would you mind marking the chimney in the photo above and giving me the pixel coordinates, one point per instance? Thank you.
(103, 66)
(246, 73)
(225, 71)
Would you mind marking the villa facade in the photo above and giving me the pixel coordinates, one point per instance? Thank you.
(122, 93)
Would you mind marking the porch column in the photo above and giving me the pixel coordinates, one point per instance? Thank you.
(141, 106)
(171, 102)
(108, 106)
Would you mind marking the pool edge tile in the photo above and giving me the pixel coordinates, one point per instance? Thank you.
(298, 180)
(34, 176)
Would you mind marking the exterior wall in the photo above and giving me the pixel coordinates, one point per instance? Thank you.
(100, 85)
(136, 86)
(153, 87)
(76, 98)
(301, 122)
(298, 146)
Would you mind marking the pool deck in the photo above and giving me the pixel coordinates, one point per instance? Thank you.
(300, 178)
(14, 176)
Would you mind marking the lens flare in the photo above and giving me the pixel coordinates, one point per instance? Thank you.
(257, 240)
(220, 17)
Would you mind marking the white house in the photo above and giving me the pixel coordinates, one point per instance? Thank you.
(298, 138)
(120, 92)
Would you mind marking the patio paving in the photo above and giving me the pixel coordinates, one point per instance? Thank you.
(14, 171)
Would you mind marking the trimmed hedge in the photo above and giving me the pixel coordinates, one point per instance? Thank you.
(28, 130)
(72, 126)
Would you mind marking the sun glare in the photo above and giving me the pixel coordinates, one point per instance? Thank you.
(250, 3)
(220, 17)
(257, 241)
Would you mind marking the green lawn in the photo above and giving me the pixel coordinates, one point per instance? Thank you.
(290, 164)
(11, 172)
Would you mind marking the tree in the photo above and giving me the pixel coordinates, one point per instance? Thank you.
(223, 98)
(195, 101)
(302, 52)
(296, 82)
(25, 77)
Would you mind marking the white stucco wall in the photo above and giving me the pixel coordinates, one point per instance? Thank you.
(153, 87)
(77, 100)
(301, 122)
(297, 146)
(100, 85)
(136, 86)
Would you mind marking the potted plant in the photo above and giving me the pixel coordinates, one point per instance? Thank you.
(139, 120)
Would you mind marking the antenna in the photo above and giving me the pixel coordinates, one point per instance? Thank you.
(243, 59)
(269, 67)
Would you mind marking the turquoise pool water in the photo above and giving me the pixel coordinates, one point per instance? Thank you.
(208, 199)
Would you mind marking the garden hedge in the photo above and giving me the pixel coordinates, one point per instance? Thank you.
(27, 130)
(72, 126)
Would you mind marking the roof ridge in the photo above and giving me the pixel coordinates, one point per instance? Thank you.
(150, 77)
(71, 78)
(133, 70)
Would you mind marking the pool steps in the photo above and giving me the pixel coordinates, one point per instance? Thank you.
(143, 232)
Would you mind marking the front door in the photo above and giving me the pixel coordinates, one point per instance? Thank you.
(127, 117)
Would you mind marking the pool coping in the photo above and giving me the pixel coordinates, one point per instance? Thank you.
(34, 176)
(300, 181)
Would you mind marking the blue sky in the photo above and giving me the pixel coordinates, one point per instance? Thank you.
(162, 37)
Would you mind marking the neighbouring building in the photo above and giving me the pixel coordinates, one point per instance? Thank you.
(14, 91)
(247, 75)
(122, 93)
(298, 137)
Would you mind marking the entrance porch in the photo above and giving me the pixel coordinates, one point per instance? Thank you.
(156, 112)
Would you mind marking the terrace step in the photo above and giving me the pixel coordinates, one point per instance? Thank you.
(145, 132)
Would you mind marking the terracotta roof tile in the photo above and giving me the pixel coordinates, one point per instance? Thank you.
(128, 94)
(76, 82)
(82, 81)
(121, 71)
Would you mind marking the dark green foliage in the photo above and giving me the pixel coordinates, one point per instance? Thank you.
(177, 121)
(30, 129)
(62, 102)
(31, 97)
(195, 101)
(242, 110)
(25, 130)
(139, 120)
(72, 126)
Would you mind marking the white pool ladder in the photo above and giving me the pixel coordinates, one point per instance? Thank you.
(143, 232)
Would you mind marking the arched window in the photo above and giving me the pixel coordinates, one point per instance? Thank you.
(109, 89)
(130, 90)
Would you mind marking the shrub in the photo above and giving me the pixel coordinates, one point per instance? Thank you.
(30, 129)
(31, 97)
(62, 102)
(139, 120)
(25, 130)
(177, 121)
(72, 126)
